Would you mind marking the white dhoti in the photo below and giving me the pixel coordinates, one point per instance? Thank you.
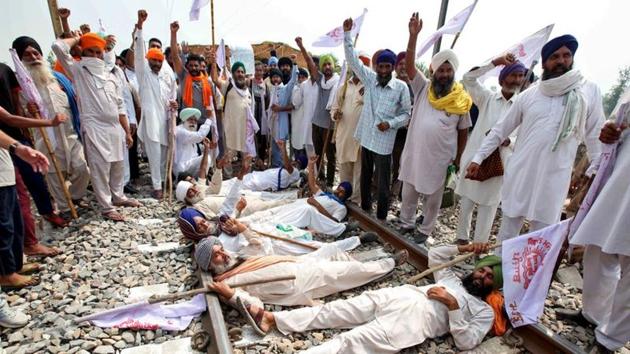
(318, 274)
(299, 214)
(430, 207)
(156, 153)
(351, 171)
(606, 297)
(483, 226)
(107, 177)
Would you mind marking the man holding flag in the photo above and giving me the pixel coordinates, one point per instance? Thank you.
(553, 117)
(436, 136)
(390, 105)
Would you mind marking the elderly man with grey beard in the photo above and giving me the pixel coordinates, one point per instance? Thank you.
(436, 137)
(58, 98)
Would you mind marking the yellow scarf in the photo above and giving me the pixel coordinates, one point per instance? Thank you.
(458, 101)
(253, 264)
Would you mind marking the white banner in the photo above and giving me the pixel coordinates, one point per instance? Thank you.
(196, 7)
(528, 263)
(221, 55)
(526, 50)
(334, 38)
(454, 25)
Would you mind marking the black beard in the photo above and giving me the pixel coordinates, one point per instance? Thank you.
(286, 77)
(474, 289)
(440, 89)
(240, 84)
(383, 80)
(546, 75)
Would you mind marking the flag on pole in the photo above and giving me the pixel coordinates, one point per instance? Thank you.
(453, 26)
(528, 263)
(526, 50)
(334, 38)
(221, 55)
(196, 7)
(31, 93)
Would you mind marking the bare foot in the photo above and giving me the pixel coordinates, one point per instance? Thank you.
(40, 250)
(17, 281)
(114, 216)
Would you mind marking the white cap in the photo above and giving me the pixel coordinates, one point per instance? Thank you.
(182, 190)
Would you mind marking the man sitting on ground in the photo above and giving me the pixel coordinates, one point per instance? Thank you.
(187, 160)
(391, 319)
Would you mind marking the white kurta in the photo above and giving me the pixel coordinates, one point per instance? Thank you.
(536, 180)
(391, 319)
(431, 143)
(156, 90)
(186, 143)
(318, 274)
(311, 95)
(235, 117)
(607, 224)
(298, 121)
(268, 179)
(100, 103)
(347, 147)
(492, 106)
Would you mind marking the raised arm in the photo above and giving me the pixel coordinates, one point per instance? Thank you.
(61, 48)
(285, 157)
(138, 44)
(415, 26)
(356, 65)
(312, 183)
(63, 15)
(313, 70)
(185, 136)
(177, 59)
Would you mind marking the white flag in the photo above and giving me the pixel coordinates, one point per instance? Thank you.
(526, 50)
(454, 25)
(196, 7)
(334, 38)
(528, 263)
(221, 55)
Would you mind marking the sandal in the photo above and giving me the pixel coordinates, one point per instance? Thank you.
(29, 281)
(29, 268)
(114, 216)
(253, 321)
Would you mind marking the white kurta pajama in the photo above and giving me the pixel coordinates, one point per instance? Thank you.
(186, 157)
(487, 194)
(156, 90)
(391, 319)
(348, 149)
(298, 120)
(235, 117)
(100, 105)
(303, 215)
(318, 274)
(67, 148)
(273, 179)
(536, 180)
(604, 232)
(431, 146)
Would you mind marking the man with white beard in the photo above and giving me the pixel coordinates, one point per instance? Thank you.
(104, 125)
(318, 274)
(187, 137)
(158, 94)
(58, 97)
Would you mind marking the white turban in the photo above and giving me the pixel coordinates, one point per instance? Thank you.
(182, 189)
(446, 55)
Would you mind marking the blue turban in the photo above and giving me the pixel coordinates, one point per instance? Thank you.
(188, 214)
(272, 61)
(386, 56)
(302, 160)
(550, 47)
(347, 187)
(517, 66)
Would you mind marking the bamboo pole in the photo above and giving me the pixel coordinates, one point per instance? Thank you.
(53, 157)
(54, 17)
(168, 184)
(450, 263)
(288, 240)
(212, 20)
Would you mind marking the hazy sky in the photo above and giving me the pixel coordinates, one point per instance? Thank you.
(494, 26)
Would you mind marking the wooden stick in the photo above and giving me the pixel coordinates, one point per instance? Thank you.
(176, 296)
(212, 20)
(450, 263)
(168, 184)
(53, 157)
(288, 240)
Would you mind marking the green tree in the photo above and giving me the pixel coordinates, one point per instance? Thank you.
(612, 96)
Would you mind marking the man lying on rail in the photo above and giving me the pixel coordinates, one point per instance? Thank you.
(391, 319)
(317, 274)
(257, 239)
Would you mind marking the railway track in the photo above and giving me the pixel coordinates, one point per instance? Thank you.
(535, 338)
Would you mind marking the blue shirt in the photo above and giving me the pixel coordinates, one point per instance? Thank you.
(284, 98)
(389, 104)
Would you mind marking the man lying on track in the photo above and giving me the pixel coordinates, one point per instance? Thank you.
(318, 274)
(280, 239)
(391, 319)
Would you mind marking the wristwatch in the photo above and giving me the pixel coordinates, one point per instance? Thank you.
(13, 147)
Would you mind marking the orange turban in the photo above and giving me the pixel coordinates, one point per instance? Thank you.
(90, 40)
(365, 59)
(155, 54)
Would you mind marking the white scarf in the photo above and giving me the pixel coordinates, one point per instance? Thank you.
(263, 115)
(574, 102)
(331, 84)
(251, 125)
(95, 66)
